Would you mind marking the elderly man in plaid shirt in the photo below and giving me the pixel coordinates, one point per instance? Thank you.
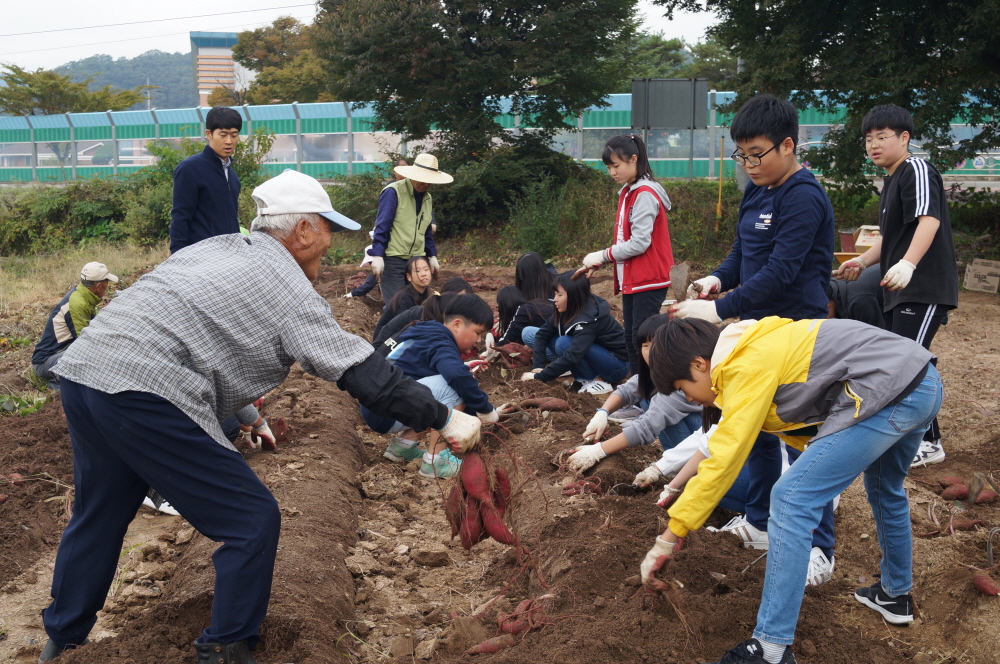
(148, 382)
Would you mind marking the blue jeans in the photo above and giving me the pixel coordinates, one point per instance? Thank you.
(673, 435)
(442, 391)
(598, 361)
(528, 339)
(735, 499)
(882, 448)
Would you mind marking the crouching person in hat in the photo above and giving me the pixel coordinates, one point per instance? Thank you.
(68, 318)
(187, 346)
(403, 223)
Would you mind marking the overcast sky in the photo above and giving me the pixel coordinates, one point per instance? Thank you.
(68, 33)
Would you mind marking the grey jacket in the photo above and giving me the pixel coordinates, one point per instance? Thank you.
(665, 410)
(643, 215)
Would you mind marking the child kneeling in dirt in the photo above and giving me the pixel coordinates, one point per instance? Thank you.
(855, 398)
(668, 417)
(431, 353)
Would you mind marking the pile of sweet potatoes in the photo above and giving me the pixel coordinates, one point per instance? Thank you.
(956, 489)
(527, 617)
(514, 356)
(478, 500)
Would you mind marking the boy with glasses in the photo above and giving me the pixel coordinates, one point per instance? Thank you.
(779, 266)
(916, 230)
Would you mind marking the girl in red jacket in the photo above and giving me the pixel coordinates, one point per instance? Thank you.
(641, 252)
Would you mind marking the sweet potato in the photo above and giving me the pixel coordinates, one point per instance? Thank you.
(495, 526)
(949, 480)
(582, 487)
(3, 498)
(966, 524)
(16, 479)
(987, 496)
(475, 478)
(545, 403)
(454, 508)
(516, 622)
(471, 530)
(955, 492)
(985, 584)
(489, 646)
(501, 495)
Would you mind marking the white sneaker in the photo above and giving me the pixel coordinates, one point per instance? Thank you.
(626, 414)
(595, 387)
(164, 507)
(820, 567)
(929, 452)
(752, 538)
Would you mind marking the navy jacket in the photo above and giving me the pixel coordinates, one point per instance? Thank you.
(49, 345)
(595, 325)
(781, 259)
(205, 202)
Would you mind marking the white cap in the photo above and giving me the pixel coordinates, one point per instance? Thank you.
(97, 272)
(292, 192)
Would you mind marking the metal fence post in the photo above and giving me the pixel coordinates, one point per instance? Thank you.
(34, 149)
(694, 123)
(298, 137)
(246, 109)
(350, 140)
(517, 124)
(72, 145)
(579, 137)
(711, 134)
(201, 121)
(114, 144)
(156, 125)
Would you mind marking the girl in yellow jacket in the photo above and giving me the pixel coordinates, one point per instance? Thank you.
(855, 398)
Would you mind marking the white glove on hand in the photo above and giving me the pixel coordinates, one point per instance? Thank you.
(899, 275)
(461, 431)
(708, 285)
(260, 437)
(655, 560)
(594, 259)
(492, 416)
(668, 496)
(378, 264)
(850, 270)
(648, 476)
(348, 296)
(435, 266)
(529, 375)
(703, 309)
(597, 426)
(585, 457)
(490, 342)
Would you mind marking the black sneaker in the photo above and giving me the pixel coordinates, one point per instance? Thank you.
(896, 610)
(51, 650)
(751, 652)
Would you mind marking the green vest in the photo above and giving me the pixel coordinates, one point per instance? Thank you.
(406, 239)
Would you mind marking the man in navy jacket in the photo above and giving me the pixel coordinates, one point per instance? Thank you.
(206, 189)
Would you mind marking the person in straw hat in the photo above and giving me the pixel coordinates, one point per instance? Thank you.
(403, 224)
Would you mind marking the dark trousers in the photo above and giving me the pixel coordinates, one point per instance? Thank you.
(764, 466)
(366, 287)
(393, 277)
(125, 443)
(44, 370)
(636, 308)
(919, 322)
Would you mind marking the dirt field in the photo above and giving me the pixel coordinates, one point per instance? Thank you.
(366, 571)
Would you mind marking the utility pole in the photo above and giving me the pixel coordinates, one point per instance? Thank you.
(148, 95)
(742, 179)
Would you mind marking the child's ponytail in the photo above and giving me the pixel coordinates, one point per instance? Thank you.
(626, 146)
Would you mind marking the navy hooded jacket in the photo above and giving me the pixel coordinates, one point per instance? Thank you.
(205, 200)
(594, 325)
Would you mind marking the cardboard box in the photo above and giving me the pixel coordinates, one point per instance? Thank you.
(982, 275)
(867, 236)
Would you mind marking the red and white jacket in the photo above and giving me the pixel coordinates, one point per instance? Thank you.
(642, 252)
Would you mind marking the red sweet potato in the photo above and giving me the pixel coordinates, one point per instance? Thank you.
(492, 645)
(17, 479)
(3, 498)
(471, 529)
(956, 492)
(495, 526)
(986, 496)
(985, 584)
(454, 508)
(501, 495)
(949, 480)
(545, 403)
(516, 622)
(475, 478)
(966, 524)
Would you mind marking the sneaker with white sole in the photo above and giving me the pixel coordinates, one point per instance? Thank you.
(752, 652)
(752, 538)
(156, 502)
(626, 414)
(896, 610)
(595, 387)
(399, 452)
(445, 465)
(820, 567)
(930, 452)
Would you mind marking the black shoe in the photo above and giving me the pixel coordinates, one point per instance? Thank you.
(751, 652)
(896, 610)
(51, 650)
(224, 653)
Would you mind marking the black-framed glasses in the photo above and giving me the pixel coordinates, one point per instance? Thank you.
(877, 141)
(752, 159)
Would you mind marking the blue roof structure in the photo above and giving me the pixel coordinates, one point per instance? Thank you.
(213, 39)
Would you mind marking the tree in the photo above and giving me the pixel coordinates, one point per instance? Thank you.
(655, 57)
(303, 79)
(44, 92)
(274, 45)
(711, 60)
(448, 64)
(938, 58)
(171, 74)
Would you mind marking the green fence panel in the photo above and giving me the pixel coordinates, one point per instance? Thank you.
(15, 135)
(277, 126)
(814, 116)
(92, 133)
(180, 130)
(15, 175)
(136, 131)
(55, 134)
(598, 119)
(324, 125)
(506, 121)
(93, 171)
(48, 174)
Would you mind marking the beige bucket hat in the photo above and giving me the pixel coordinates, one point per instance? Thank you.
(424, 169)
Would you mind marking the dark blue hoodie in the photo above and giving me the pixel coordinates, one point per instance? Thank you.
(205, 201)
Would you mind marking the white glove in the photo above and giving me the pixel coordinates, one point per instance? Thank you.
(597, 426)
(260, 437)
(899, 275)
(492, 416)
(708, 285)
(648, 476)
(348, 296)
(654, 561)
(850, 270)
(435, 266)
(703, 309)
(461, 431)
(378, 264)
(668, 496)
(585, 457)
(594, 259)
(490, 341)
(529, 375)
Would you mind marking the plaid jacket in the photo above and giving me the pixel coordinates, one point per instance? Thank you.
(219, 324)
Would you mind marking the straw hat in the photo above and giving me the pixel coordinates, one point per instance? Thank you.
(424, 169)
